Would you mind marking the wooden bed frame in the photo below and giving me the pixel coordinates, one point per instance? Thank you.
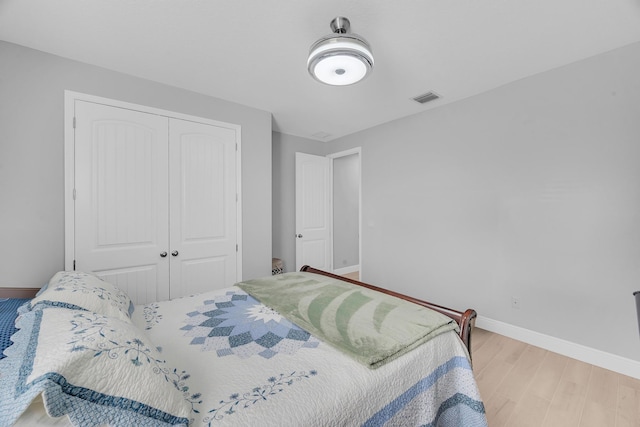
(466, 320)
(18, 292)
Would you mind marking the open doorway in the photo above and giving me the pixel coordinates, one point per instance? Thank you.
(346, 213)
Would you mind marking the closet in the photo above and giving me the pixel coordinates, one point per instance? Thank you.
(152, 198)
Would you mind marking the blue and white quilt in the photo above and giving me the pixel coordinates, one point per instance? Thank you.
(224, 359)
(251, 366)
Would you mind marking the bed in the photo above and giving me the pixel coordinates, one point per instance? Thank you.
(305, 348)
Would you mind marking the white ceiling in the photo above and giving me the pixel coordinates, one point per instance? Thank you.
(253, 52)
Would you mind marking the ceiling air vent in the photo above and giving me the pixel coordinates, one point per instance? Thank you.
(321, 135)
(426, 97)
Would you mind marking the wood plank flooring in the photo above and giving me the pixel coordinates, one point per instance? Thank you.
(523, 385)
(355, 275)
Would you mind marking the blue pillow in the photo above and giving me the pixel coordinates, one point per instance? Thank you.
(8, 314)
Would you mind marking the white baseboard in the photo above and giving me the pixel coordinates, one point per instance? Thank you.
(580, 352)
(345, 270)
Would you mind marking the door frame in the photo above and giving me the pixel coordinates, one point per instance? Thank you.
(333, 156)
(69, 165)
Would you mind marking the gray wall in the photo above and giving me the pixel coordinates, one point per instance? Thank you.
(346, 212)
(531, 190)
(32, 85)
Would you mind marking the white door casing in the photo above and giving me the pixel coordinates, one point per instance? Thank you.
(313, 211)
(119, 188)
(203, 206)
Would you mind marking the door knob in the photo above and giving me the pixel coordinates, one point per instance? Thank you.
(163, 254)
(174, 253)
(299, 236)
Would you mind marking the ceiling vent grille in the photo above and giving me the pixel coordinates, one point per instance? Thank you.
(321, 135)
(426, 97)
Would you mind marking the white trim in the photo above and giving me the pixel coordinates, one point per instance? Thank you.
(239, 204)
(344, 153)
(69, 179)
(580, 352)
(347, 270)
(146, 109)
(69, 155)
(330, 214)
(332, 156)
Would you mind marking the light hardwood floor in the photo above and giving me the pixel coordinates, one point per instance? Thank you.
(523, 385)
(355, 275)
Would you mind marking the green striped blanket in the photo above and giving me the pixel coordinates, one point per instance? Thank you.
(371, 327)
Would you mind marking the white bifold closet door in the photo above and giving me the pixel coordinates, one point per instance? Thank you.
(202, 214)
(155, 202)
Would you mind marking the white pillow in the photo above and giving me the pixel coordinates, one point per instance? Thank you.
(79, 290)
(96, 369)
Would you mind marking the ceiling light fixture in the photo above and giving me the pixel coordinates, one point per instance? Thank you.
(341, 58)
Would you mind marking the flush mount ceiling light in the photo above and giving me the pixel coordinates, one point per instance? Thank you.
(341, 58)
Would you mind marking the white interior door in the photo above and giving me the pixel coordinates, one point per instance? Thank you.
(313, 211)
(202, 176)
(121, 198)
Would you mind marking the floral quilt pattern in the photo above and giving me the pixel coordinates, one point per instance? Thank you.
(261, 393)
(236, 323)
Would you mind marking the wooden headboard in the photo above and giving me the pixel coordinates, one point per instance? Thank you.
(466, 320)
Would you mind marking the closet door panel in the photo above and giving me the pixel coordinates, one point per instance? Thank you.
(138, 282)
(202, 179)
(121, 206)
(200, 274)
